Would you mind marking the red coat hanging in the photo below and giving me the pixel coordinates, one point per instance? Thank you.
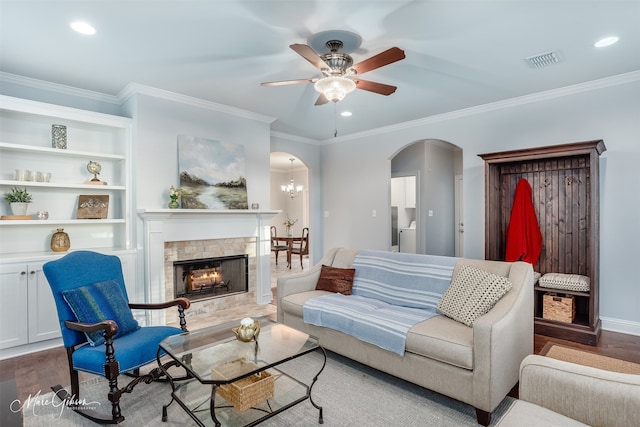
(524, 239)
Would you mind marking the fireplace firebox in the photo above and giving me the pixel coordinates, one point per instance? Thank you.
(206, 278)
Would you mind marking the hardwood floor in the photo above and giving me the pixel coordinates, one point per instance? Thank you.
(611, 344)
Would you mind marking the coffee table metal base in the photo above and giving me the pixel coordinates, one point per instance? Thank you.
(200, 396)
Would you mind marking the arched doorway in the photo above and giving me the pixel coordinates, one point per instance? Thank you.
(294, 206)
(436, 167)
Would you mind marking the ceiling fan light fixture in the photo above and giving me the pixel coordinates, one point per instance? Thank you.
(335, 88)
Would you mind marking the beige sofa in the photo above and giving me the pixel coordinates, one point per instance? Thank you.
(558, 393)
(477, 365)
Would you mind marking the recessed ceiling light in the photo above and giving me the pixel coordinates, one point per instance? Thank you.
(346, 114)
(83, 28)
(606, 41)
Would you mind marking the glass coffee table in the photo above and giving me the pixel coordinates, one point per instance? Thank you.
(243, 383)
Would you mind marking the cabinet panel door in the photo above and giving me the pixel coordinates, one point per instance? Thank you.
(13, 297)
(43, 316)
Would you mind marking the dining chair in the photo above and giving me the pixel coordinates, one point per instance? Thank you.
(99, 331)
(275, 247)
(303, 248)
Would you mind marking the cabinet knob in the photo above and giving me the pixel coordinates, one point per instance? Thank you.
(32, 272)
(22, 273)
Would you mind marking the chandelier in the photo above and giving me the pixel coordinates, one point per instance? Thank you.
(291, 187)
(334, 88)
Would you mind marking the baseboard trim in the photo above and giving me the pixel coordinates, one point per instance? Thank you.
(8, 353)
(619, 325)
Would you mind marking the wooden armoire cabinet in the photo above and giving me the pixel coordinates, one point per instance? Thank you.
(565, 185)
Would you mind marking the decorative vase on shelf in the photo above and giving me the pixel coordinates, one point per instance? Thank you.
(60, 241)
(173, 204)
(59, 136)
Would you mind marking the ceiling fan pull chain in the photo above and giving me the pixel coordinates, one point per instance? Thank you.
(335, 119)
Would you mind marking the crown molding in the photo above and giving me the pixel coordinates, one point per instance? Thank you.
(294, 138)
(620, 79)
(57, 88)
(132, 89)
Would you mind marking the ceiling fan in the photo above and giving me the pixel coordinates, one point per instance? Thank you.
(340, 76)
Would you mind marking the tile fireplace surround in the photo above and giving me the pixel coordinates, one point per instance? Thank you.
(176, 234)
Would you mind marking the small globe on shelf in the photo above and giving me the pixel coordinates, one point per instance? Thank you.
(95, 168)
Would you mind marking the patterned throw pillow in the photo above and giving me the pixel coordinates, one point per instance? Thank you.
(337, 280)
(473, 292)
(101, 301)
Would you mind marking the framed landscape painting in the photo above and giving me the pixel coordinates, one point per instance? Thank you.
(212, 174)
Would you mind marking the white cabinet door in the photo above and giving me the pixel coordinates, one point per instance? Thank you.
(13, 297)
(43, 316)
(410, 191)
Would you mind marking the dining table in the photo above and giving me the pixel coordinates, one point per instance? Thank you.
(290, 241)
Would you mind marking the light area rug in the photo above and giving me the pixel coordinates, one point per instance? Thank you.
(350, 393)
(587, 358)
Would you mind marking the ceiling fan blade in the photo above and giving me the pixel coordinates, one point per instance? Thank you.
(374, 87)
(321, 100)
(289, 82)
(309, 54)
(387, 57)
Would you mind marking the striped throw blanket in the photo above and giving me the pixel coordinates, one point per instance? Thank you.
(391, 293)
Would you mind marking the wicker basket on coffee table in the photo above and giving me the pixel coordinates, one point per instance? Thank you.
(246, 392)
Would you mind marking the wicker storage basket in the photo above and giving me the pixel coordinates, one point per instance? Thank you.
(557, 307)
(247, 392)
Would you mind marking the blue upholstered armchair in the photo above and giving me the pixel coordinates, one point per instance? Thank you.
(98, 329)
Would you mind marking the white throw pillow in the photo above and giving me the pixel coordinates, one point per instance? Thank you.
(473, 292)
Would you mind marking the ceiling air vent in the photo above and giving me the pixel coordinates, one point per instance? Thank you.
(543, 59)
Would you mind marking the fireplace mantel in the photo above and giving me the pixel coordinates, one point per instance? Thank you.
(190, 213)
(171, 225)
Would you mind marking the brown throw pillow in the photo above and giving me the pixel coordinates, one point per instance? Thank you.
(338, 280)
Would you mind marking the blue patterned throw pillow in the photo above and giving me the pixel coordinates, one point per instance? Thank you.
(101, 301)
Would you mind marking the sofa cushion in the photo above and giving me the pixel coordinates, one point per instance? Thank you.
(569, 282)
(408, 280)
(368, 319)
(473, 292)
(344, 258)
(443, 339)
(294, 303)
(336, 280)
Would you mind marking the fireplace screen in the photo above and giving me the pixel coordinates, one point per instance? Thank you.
(211, 277)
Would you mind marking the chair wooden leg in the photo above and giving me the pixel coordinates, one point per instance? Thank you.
(74, 401)
(277, 252)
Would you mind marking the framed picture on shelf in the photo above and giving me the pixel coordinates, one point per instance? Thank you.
(93, 206)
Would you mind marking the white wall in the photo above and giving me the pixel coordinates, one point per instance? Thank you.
(611, 113)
